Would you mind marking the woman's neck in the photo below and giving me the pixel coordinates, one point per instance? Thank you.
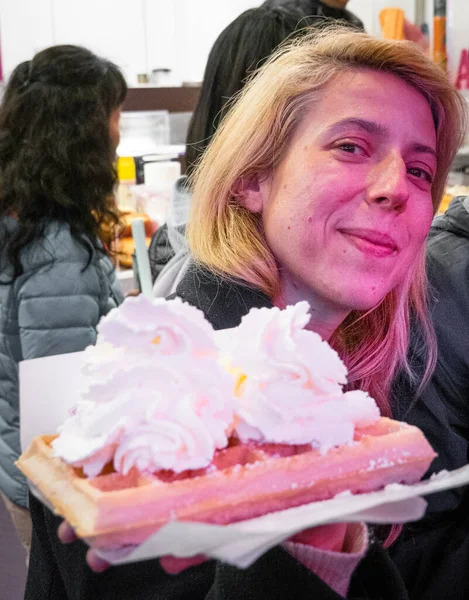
(325, 317)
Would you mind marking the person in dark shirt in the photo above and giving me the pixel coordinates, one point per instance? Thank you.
(242, 47)
(328, 9)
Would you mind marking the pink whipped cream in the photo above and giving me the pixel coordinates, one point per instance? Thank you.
(292, 391)
(157, 397)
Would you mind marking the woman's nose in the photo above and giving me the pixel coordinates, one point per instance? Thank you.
(389, 184)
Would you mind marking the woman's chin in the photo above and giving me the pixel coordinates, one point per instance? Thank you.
(363, 299)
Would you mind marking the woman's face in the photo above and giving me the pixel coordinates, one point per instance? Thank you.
(347, 210)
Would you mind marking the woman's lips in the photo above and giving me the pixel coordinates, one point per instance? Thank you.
(374, 243)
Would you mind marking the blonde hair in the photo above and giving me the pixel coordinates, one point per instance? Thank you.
(253, 139)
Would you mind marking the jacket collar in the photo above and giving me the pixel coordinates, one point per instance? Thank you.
(455, 219)
(223, 302)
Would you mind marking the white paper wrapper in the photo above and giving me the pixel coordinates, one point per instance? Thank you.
(49, 388)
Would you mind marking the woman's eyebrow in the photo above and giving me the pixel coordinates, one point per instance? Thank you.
(376, 129)
(368, 126)
(423, 149)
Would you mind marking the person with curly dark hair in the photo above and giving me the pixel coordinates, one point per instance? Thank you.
(59, 130)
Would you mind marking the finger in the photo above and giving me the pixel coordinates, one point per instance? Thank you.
(326, 537)
(174, 565)
(66, 533)
(95, 562)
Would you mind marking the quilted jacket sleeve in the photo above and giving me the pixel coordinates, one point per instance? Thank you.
(58, 307)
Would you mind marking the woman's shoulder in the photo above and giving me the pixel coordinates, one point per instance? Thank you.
(223, 300)
(59, 255)
(57, 245)
(448, 240)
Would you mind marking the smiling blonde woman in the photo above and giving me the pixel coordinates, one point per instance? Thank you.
(365, 131)
(320, 185)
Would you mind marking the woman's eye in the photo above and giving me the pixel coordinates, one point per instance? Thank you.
(351, 148)
(420, 174)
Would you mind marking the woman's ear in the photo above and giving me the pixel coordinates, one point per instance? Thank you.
(251, 192)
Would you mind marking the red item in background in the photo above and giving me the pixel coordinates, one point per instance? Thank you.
(462, 79)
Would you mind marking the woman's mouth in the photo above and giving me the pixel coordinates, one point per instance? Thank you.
(371, 242)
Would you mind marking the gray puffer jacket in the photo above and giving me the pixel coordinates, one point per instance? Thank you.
(52, 308)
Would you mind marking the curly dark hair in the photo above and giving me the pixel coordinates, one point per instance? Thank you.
(57, 158)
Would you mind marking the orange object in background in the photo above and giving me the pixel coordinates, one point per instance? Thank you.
(439, 42)
(126, 219)
(444, 203)
(392, 23)
(119, 237)
(452, 191)
(126, 249)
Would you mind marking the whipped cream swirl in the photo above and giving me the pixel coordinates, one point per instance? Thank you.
(291, 390)
(157, 397)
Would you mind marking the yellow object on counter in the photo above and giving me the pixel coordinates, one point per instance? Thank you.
(452, 191)
(127, 174)
(392, 23)
(126, 168)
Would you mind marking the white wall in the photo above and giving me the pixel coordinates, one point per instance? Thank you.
(139, 35)
(458, 25)
(26, 27)
(207, 19)
(113, 31)
(112, 28)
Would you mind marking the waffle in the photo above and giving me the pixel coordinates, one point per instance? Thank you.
(244, 481)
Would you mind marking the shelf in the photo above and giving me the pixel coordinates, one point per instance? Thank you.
(175, 99)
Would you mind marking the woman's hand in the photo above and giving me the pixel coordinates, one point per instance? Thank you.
(67, 535)
(170, 564)
(325, 537)
(174, 565)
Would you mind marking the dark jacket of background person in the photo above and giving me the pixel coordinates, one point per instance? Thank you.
(433, 554)
(169, 239)
(53, 307)
(316, 8)
(241, 48)
(275, 576)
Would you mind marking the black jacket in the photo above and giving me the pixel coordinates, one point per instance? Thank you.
(160, 251)
(433, 554)
(59, 572)
(316, 8)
